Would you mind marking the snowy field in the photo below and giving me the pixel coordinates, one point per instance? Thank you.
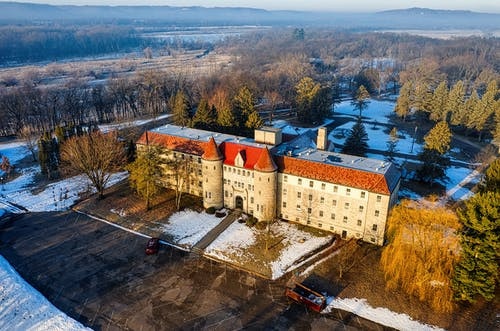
(379, 315)
(59, 195)
(235, 241)
(24, 308)
(15, 151)
(188, 226)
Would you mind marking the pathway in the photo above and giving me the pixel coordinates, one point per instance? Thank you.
(216, 231)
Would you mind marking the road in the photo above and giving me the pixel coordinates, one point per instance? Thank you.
(99, 275)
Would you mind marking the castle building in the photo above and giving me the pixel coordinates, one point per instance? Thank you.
(296, 178)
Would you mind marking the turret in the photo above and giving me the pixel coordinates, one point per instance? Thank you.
(212, 164)
(265, 182)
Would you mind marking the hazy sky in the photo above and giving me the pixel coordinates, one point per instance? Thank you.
(331, 5)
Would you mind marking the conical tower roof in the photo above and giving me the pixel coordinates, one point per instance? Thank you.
(212, 152)
(265, 162)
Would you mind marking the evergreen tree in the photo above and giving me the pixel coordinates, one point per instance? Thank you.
(145, 174)
(204, 117)
(455, 104)
(60, 134)
(361, 99)
(402, 108)
(181, 109)
(243, 106)
(226, 119)
(131, 151)
(422, 98)
(471, 107)
(306, 91)
(439, 102)
(298, 34)
(491, 181)
(254, 121)
(488, 106)
(321, 104)
(434, 161)
(477, 272)
(356, 142)
(391, 144)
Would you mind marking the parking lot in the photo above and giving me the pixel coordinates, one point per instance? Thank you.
(99, 275)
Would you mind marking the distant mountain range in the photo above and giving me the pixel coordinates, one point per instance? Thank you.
(412, 18)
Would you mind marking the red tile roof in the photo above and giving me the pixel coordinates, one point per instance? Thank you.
(174, 143)
(333, 174)
(250, 154)
(212, 152)
(265, 162)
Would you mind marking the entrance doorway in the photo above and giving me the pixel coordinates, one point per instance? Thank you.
(239, 202)
(344, 234)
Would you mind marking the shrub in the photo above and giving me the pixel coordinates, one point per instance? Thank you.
(211, 210)
(261, 225)
(220, 214)
(251, 221)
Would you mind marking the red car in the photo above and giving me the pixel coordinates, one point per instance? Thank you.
(153, 246)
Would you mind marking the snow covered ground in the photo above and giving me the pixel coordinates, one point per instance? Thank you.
(24, 308)
(189, 226)
(377, 110)
(118, 126)
(379, 315)
(15, 151)
(59, 195)
(238, 237)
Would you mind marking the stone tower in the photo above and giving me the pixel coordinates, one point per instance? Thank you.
(265, 182)
(212, 164)
(322, 140)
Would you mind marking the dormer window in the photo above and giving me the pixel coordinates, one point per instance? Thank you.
(239, 160)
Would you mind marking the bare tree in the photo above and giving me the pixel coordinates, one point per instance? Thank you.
(30, 137)
(96, 155)
(180, 168)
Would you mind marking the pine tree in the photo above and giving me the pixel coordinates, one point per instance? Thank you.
(131, 151)
(204, 117)
(471, 107)
(60, 135)
(402, 108)
(489, 106)
(321, 104)
(477, 272)
(455, 104)
(306, 91)
(491, 181)
(361, 99)
(356, 142)
(391, 144)
(422, 98)
(254, 121)
(181, 109)
(226, 119)
(145, 174)
(434, 161)
(243, 106)
(439, 102)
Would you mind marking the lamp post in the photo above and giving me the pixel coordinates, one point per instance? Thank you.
(414, 137)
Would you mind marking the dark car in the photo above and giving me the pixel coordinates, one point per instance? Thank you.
(152, 246)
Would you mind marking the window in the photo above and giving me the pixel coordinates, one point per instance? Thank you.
(260, 193)
(322, 200)
(257, 207)
(363, 194)
(374, 227)
(251, 199)
(226, 194)
(299, 195)
(333, 216)
(377, 213)
(346, 205)
(320, 225)
(310, 197)
(323, 186)
(298, 207)
(234, 170)
(199, 172)
(225, 168)
(210, 195)
(361, 209)
(331, 228)
(225, 181)
(320, 213)
(372, 239)
(360, 222)
(285, 179)
(284, 204)
(335, 189)
(311, 183)
(284, 191)
(199, 184)
(348, 191)
(297, 219)
(309, 210)
(249, 187)
(334, 203)
(379, 198)
(345, 219)
(308, 222)
(199, 160)
(299, 181)
(239, 172)
(229, 181)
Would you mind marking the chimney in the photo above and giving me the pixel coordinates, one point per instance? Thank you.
(322, 140)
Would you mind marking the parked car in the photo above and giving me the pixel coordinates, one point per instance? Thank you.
(153, 246)
(307, 297)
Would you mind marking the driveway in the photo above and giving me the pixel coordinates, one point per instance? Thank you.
(99, 275)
